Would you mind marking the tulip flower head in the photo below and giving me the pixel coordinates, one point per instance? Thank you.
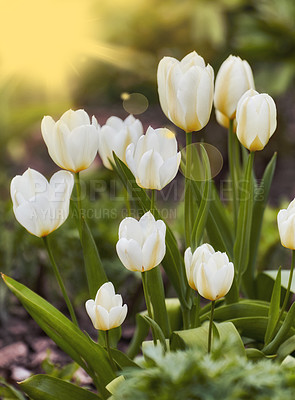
(107, 310)
(286, 225)
(233, 79)
(209, 272)
(154, 160)
(115, 136)
(72, 141)
(141, 244)
(186, 91)
(256, 119)
(41, 206)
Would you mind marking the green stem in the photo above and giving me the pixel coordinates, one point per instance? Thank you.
(153, 192)
(107, 342)
(147, 300)
(60, 282)
(78, 200)
(127, 202)
(287, 295)
(187, 192)
(233, 170)
(210, 326)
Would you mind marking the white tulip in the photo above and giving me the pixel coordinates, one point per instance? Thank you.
(107, 310)
(193, 261)
(209, 272)
(256, 119)
(115, 136)
(141, 244)
(72, 141)
(233, 79)
(286, 224)
(154, 160)
(186, 91)
(41, 206)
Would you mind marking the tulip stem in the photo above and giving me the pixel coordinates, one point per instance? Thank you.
(78, 194)
(60, 282)
(187, 190)
(147, 301)
(233, 169)
(107, 342)
(286, 298)
(153, 192)
(127, 202)
(210, 326)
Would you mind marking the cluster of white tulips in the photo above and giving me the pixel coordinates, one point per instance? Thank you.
(186, 93)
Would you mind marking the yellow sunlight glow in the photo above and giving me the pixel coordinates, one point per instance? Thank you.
(44, 40)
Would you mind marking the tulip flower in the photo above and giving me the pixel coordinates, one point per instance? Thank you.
(107, 310)
(141, 244)
(154, 160)
(256, 120)
(286, 224)
(193, 261)
(209, 272)
(233, 79)
(186, 91)
(72, 141)
(115, 136)
(41, 206)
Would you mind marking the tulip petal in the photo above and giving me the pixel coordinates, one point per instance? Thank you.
(153, 250)
(169, 169)
(130, 254)
(130, 228)
(90, 308)
(74, 119)
(102, 318)
(116, 316)
(148, 171)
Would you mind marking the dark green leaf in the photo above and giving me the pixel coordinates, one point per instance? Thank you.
(274, 309)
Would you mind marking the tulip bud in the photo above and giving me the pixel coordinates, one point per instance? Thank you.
(72, 141)
(286, 224)
(233, 79)
(107, 310)
(209, 272)
(186, 91)
(39, 206)
(256, 120)
(116, 135)
(141, 244)
(154, 160)
(193, 261)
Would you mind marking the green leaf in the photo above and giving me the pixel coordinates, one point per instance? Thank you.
(261, 194)
(199, 337)
(173, 263)
(89, 355)
(274, 308)
(284, 278)
(44, 387)
(286, 348)
(141, 331)
(254, 354)
(241, 246)
(158, 331)
(8, 392)
(284, 332)
(122, 359)
(96, 275)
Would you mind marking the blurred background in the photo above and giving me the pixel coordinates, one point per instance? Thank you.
(102, 56)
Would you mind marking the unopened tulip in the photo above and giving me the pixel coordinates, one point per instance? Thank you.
(115, 136)
(256, 119)
(141, 244)
(193, 261)
(186, 91)
(209, 272)
(286, 224)
(41, 206)
(107, 310)
(233, 79)
(72, 141)
(154, 160)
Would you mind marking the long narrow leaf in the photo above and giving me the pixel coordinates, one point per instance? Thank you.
(274, 309)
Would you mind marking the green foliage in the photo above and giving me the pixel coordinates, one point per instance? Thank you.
(193, 374)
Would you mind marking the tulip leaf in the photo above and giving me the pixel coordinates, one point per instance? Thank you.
(286, 348)
(199, 337)
(141, 331)
(286, 330)
(45, 387)
(218, 227)
(284, 278)
(173, 263)
(274, 309)
(89, 355)
(122, 359)
(254, 354)
(242, 242)
(157, 330)
(8, 392)
(96, 275)
(261, 193)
